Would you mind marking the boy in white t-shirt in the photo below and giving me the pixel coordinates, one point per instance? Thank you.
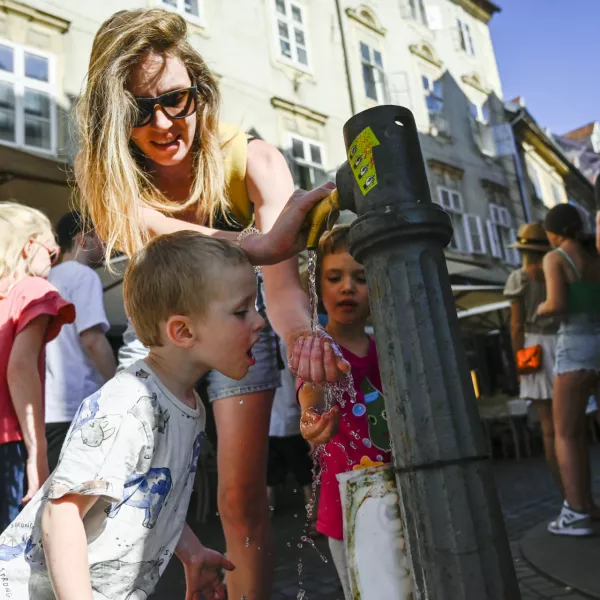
(106, 523)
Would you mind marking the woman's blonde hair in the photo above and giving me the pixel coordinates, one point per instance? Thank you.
(113, 182)
(18, 224)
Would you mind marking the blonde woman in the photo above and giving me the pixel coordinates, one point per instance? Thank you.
(526, 288)
(32, 313)
(154, 160)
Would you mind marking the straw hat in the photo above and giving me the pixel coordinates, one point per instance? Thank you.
(532, 236)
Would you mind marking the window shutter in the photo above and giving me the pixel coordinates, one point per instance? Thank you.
(444, 197)
(494, 214)
(474, 234)
(494, 241)
(456, 201)
(505, 217)
(515, 259)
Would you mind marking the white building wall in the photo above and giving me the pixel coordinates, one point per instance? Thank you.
(238, 40)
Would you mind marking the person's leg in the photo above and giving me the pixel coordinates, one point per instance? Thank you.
(571, 393)
(243, 433)
(338, 554)
(276, 470)
(56, 434)
(543, 410)
(12, 481)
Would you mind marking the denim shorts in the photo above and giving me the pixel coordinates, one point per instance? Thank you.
(262, 376)
(578, 345)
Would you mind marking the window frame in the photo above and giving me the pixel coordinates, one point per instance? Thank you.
(457, 216)
(467, 44)
(291, 25)
(306, 142)
(418, 12)
(379, 86)
(429, 91)
(502, 224)
(180, 10)
(469, 234)
(20, 82)
(536, 181)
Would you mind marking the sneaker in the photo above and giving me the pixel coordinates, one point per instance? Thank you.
(571, 522)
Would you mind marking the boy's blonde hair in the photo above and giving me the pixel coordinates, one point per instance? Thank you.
(175, 274)
(111, 175)
(18, 224)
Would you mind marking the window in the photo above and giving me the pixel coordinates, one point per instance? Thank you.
(465, 38)
(291, 33)
(188, 8)
(502, 234)
(417, 11)
(27, 98)
(475, 237)
(434, 94)
(558, 198)
(307, 162)
(451, 201)
(372, 70)
(479, 112)
(535, 180)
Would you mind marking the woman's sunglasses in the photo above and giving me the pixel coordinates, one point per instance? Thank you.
(177, 104)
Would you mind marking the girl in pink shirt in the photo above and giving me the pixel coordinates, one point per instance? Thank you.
(31, 314)
(356, 434)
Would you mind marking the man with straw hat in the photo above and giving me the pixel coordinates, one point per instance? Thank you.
(526, 288)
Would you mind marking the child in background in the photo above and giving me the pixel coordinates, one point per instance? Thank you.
(32, 313)
(113, 512)
(356, 434)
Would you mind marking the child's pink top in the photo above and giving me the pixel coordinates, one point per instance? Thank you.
(362, 439)
(30, 297)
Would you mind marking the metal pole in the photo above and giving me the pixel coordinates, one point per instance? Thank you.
(456, 537)
(345, 53)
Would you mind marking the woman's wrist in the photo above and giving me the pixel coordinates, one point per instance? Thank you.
(254, 244)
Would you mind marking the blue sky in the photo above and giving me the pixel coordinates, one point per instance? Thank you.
(547, 51)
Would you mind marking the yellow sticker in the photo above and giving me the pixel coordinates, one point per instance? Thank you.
(360, 158)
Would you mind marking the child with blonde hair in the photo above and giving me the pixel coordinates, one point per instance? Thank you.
(32, 313)
(355, 432)
(112, 514)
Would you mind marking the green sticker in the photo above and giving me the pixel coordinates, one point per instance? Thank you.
(360, 158)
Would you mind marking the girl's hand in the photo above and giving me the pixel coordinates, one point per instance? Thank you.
(316, 358)
(286, 238)
(319, 428)
(37, 473)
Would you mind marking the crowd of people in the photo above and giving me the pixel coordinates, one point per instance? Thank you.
(555, 332)
(100, 457)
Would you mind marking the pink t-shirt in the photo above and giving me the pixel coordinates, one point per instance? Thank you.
(30, 297)
(362, 439)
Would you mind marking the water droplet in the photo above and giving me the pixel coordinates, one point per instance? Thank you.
(241, 402)
(295, 491)
(300, 595)
(295, 515)
(289, 544)
(300, 545)
(218, 515)
(247, 543)
(271, 508)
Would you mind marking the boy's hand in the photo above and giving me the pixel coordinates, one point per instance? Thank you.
(202, 579)
(319, 428)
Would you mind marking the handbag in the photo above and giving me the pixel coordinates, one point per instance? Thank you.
(529, 360)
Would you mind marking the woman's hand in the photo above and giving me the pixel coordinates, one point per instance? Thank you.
(286, 238)
(315, 358)
(319, 428)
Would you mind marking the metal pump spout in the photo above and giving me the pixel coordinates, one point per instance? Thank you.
(324, 215)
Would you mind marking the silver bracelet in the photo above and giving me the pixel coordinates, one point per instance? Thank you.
(243, 235)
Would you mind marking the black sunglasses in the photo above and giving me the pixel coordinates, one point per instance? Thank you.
(177, 104)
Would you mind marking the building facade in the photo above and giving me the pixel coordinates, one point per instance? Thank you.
(292, 72)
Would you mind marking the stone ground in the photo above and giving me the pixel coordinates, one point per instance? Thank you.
(527, 496)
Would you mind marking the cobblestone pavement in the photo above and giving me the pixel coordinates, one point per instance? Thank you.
(527, 496)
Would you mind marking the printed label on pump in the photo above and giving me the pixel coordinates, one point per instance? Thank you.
(360, 158)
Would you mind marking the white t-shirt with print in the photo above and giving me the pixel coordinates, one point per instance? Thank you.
(71, 376)
(136, 446)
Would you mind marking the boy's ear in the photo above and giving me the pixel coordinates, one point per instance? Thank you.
(179, 331)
